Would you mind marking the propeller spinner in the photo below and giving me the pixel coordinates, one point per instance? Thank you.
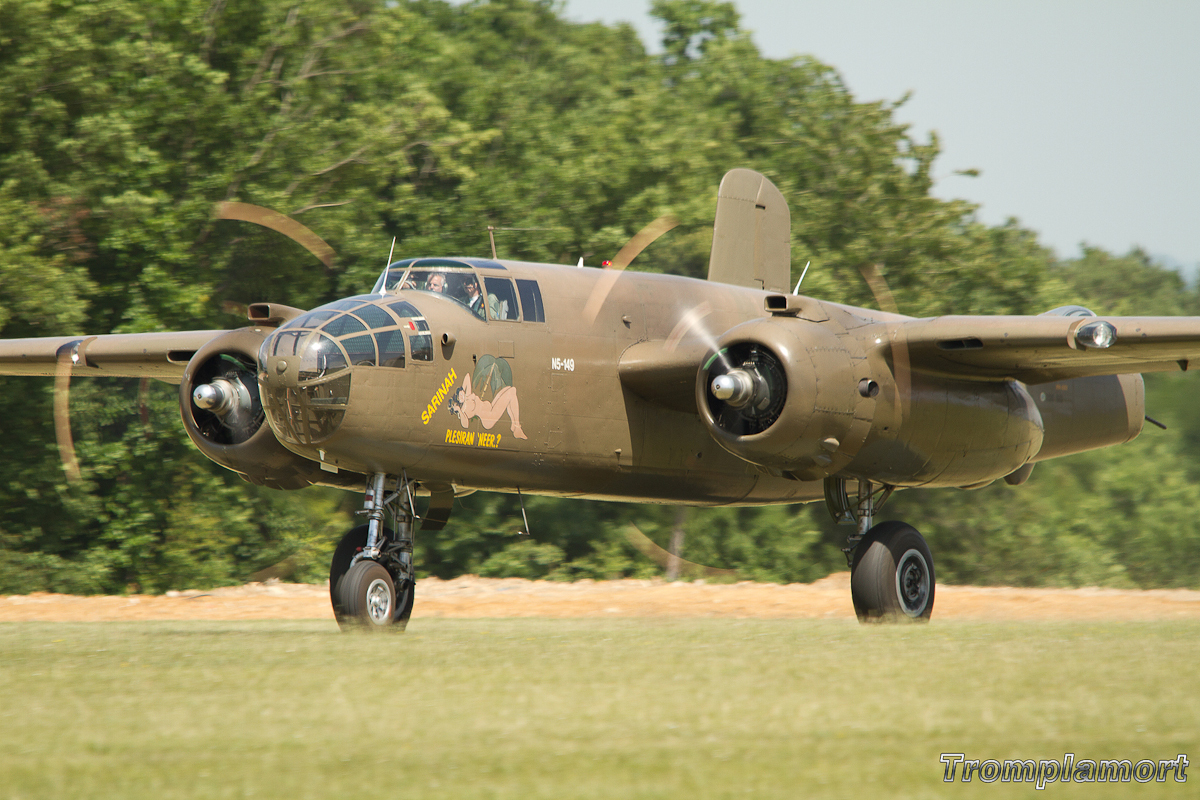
(740, 388)
(227, 406)
(229, 400)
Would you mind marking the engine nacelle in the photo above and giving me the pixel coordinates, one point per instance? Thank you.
(223, 415)
(1088, 413)
(780, 392)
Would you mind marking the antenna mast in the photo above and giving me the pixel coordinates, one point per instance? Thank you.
(802, 274)
(387, 269)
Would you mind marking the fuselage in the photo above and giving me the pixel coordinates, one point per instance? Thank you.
(518, 384)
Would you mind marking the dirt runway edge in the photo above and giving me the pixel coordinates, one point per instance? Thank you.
(473, 597)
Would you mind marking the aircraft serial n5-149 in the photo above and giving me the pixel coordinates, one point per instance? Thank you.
(459, 374)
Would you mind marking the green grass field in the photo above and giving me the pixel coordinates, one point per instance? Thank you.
(583, 708)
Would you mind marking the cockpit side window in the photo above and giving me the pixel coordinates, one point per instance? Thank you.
(531, 300)
(390, 280)
(502, 300)
(434, 281)
(447, 281)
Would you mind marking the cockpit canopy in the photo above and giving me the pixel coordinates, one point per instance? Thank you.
(487, 296)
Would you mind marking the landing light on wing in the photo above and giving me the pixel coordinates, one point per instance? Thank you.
(1096, 335)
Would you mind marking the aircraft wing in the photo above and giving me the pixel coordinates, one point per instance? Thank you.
(1044, 348)
(119, 355)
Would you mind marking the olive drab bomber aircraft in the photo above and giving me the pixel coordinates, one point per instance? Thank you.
(453, 375)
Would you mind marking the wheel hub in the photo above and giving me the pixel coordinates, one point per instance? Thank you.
(379, 602)
(912, 583)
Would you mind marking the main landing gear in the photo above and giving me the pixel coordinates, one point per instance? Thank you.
(891, 568)
(372, 581)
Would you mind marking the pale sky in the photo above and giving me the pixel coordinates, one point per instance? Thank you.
(1083, 116)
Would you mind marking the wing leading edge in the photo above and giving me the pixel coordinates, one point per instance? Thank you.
(1044, 348)
(120, 355)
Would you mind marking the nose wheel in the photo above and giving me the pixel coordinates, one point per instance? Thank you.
(354, 599)
(371, 576)
(368, 596)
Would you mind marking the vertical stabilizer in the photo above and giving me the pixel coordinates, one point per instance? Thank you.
(752, 234)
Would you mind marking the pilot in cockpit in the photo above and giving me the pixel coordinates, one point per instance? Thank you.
(436, 282)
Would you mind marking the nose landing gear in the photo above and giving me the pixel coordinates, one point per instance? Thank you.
(371, 577)
(350, 583)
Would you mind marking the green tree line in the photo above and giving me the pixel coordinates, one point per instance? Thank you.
(122, 123)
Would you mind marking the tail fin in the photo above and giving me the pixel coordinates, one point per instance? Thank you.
(752, 234)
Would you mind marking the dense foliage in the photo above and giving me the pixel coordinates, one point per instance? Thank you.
(122, 122)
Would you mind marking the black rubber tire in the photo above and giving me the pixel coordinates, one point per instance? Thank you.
(368, 597)
(892, 578)
(350, 546)
(405, 595)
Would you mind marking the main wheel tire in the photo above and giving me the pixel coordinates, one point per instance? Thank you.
(892, 578)
(368, 597)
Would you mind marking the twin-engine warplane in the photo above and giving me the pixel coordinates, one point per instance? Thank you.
(453, 375)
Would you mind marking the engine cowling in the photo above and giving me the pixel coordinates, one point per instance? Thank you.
(223, 415)
(777, 393)
(1088, 413)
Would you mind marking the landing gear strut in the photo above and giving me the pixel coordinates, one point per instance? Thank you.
(371, 577)
(891, 568)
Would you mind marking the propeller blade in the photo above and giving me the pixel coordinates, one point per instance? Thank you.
(643, 239)
(883, 294)
(62, 417)
(640, 241)
(144, 405)
(644, 545)
(243, 417)
(280, 223)
(691, 319)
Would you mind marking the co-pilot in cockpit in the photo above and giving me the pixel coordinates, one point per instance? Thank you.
(494, 298)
